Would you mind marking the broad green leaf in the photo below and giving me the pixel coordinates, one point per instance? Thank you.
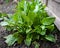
(4, 15)
(26, 18)
(43, 32)
(8, 28)
(43, 6)
(25, 6)
(4, 23)
(36, 21)
(28, 40)
(10, 40)
(35, 36)
(37, 1)
(36, 8)
(50, 27)
(48, 20)
(50, 38)
(28, 30)
(20, 6)
(37, 29)
(31, 15)
(19, 40)
(43, 27)
(36, 44)
(19, 37)
(17, 17)
(0, 15)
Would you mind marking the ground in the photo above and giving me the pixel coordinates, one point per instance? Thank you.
(9, 8)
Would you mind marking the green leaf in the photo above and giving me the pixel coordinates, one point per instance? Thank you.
(4, 23)
(50, 38)
(48, 20)
(43, 32)
(43, 27)
(37, 29)
(19, 40)
(17, 18)
(19, 37)
(10, 40)
(0, 15)
(28, 40)
(26, 18)
(28, 30)
(36, 8)
(36, 44)
(31, 15)
(50, 27)
(4, 15)
(36, 21)
(25, 6)
(35, 36)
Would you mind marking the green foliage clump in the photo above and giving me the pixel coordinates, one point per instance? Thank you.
(29, 23)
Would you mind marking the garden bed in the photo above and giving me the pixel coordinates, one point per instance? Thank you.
(43, 44)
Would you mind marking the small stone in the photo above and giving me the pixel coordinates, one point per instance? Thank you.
(1, 1)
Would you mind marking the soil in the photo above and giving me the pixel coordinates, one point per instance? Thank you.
(9, 8)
